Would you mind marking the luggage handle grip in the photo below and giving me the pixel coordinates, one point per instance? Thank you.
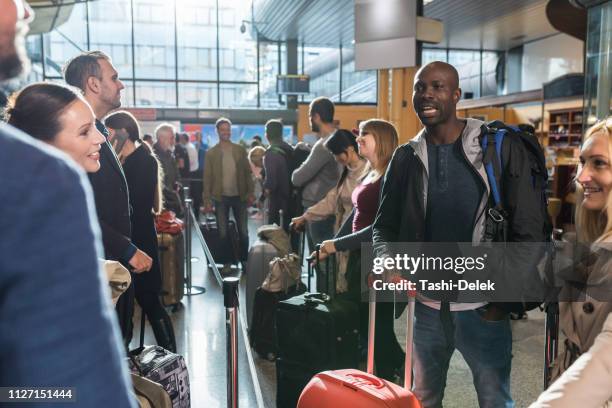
(316, 298)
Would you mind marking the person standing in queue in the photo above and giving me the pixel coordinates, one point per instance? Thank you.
(93, 73)
(144, 177)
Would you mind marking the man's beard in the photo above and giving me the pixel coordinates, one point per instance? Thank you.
(14, 60)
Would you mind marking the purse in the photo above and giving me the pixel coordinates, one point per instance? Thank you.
(118, 277)
(284, 273)
(168, 223)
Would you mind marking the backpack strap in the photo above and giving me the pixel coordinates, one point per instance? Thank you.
(492, 150)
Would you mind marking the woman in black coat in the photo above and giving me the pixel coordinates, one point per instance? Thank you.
(142, 170)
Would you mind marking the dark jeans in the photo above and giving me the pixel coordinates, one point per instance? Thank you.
(275, 205)
(239, 210)
(196, 192)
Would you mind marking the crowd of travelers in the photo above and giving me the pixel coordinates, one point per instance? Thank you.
(80, 183)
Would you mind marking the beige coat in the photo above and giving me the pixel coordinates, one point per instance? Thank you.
(213, 173)
(338, 202)
(582, 321)
(588, 382)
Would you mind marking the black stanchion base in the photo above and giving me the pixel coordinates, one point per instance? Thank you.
(195, 290)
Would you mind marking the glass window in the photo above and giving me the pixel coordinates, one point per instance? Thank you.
(158, 94)
(432, 54)
(113, 35)
(238, 59)
(238, 95)
(154, 53)
(490, 60)
(227, 17)
(268, 70)
(127, 95)
(467, 64)
(65, 42)
(194, 95)
(197, 43)
(322, 66)
(357, 86)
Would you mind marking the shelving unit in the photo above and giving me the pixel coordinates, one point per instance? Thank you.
(565, 127)
(563, 138)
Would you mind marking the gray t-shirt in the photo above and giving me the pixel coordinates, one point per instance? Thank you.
(230, 181)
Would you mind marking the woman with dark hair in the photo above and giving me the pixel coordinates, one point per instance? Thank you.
(377, 141)
(143, 175)
(343, 145)
(59, 116)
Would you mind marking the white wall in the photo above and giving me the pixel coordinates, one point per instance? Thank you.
(550, 58)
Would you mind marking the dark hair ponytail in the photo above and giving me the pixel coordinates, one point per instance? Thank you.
(36, 109)
(340, 141)
(124, 120)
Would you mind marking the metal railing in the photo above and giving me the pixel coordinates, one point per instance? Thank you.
(190, 289)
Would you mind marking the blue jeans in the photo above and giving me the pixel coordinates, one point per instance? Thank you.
(485, 345)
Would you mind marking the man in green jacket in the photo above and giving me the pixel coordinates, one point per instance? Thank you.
(228, 184)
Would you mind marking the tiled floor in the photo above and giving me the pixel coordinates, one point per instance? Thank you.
(201, 338)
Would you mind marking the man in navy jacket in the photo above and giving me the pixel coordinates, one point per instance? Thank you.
(56, 325)
(93, 73)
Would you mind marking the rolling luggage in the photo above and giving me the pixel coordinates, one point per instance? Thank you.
(172, 263)
(162, 367)
(352, 388)
(314, 332)
(257, 268)
(223, 251)
(282, 282)
(262, 252)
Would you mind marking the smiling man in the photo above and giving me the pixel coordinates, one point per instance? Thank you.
(93, 73)
(435, 190)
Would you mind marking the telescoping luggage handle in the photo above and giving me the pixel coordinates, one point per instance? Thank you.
(230, 300)
(331, 292)
(409, 336)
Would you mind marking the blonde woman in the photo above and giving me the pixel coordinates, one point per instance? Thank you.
(377, 141)
(581, 321)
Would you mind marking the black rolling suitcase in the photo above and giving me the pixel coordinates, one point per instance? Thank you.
(223, 251)
(314, 332)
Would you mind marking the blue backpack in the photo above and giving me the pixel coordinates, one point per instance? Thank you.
(516, 185)
(534, 201)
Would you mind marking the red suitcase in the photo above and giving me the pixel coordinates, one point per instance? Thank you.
(352, 388)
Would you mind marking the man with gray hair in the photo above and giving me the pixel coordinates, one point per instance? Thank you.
(93, 73)
(57, 326)
(164, 134)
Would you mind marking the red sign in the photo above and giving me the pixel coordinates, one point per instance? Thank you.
(143, 113)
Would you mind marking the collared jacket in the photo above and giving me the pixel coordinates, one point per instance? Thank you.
(588, 382)
(403, 204)
(582, 320)
(402, 210)
(213, 173)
